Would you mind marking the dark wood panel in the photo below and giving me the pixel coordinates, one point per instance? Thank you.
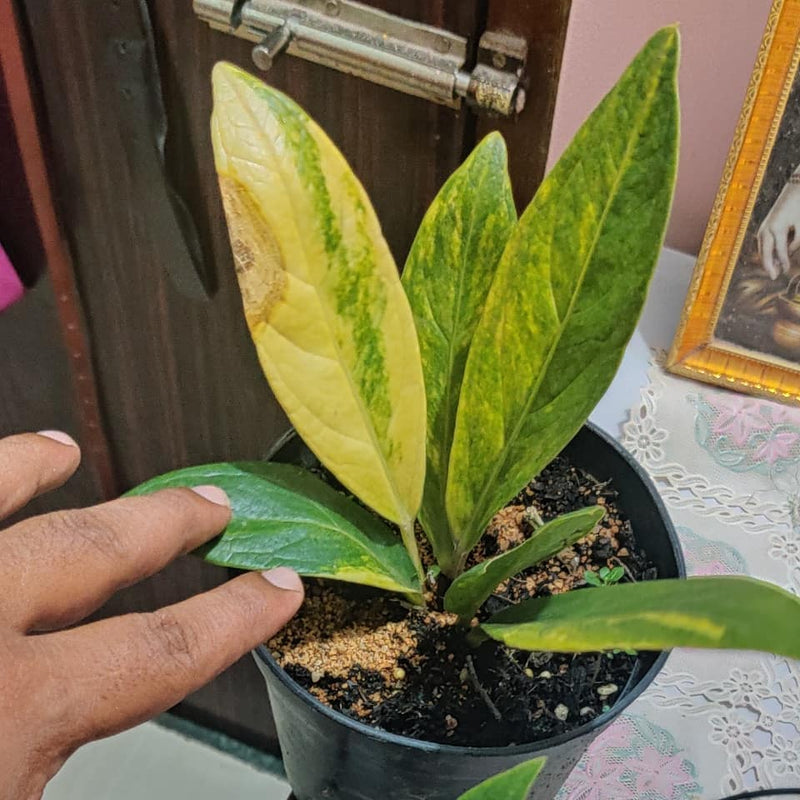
(36, 386)
(543, 23)
(401, 147)
(178, 379)
(45, 352)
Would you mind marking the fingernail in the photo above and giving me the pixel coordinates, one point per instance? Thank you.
(58, 436)
(284, 578)
(213, 494)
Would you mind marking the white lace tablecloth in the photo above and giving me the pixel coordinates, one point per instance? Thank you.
(728, 468)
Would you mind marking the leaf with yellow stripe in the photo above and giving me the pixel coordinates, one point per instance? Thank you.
(568, 291)
(330, 320)
(722, 612)
(447, 277)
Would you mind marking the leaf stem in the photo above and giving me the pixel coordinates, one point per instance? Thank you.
(455, 564)
(449, 565)
(476, 637)
(416, 599)
(410, 542)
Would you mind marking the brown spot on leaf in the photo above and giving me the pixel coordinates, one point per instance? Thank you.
(256, 252)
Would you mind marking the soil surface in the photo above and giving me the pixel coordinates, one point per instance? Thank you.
(410, 671)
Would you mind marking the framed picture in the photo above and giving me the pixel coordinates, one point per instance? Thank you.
(741, 323)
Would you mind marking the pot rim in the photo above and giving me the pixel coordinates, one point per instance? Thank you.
(262, 653)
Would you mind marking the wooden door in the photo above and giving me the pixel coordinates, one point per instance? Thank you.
(177, 378)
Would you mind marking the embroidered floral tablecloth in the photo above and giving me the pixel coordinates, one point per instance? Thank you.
(713, 724)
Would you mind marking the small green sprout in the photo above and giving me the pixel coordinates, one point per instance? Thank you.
(604, 577)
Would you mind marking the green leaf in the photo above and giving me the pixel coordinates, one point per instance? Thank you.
(471, 588)
(447, 277)
(322, 296)
(568, 292)
(284, 516)
(592, 578)
(513, 784)
(615, 575)
(717, 612)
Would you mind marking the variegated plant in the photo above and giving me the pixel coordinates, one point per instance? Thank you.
(439, 397)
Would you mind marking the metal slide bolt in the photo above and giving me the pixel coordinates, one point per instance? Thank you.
(271, 46)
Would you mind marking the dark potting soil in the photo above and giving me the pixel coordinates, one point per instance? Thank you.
(410, 671)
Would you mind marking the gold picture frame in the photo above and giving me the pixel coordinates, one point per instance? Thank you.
(736, 329)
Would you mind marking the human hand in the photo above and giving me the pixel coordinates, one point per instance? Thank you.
(63, 688)
(779, 234)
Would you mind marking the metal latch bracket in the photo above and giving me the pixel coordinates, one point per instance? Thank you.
(383, 48)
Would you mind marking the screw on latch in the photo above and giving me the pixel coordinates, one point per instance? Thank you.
(491, 90)
(271, 46)
(495, 82)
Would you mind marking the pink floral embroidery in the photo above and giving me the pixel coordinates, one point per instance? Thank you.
(596, 780)
(783, 415)
(656, 773)
(778, 446)
(631, 760)
(613, 738)
(738, 417)
(743, 434)
(710, 557)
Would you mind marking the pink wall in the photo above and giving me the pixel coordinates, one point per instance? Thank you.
(720, 42)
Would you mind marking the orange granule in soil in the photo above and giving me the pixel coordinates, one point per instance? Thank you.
(332, 633)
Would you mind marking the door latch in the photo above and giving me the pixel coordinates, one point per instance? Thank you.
(383, 48)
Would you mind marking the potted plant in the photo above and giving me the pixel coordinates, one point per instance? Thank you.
(424, 407)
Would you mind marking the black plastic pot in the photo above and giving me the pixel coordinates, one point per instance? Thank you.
(331, 757)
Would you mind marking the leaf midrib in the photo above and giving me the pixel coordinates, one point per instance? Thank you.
(335, 525)
(633, 140)
(400, 506)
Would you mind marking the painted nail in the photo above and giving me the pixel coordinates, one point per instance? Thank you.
(213, 494)
(58, 436)
(284, 578)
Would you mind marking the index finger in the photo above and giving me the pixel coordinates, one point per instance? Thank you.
(33, 463)
(59, 567)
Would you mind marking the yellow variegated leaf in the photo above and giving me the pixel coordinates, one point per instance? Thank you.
(322, 296)
(567, 293)
(720, 612)
(447, 277)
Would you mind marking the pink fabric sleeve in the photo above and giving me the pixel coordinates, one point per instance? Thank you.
(10, 285)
